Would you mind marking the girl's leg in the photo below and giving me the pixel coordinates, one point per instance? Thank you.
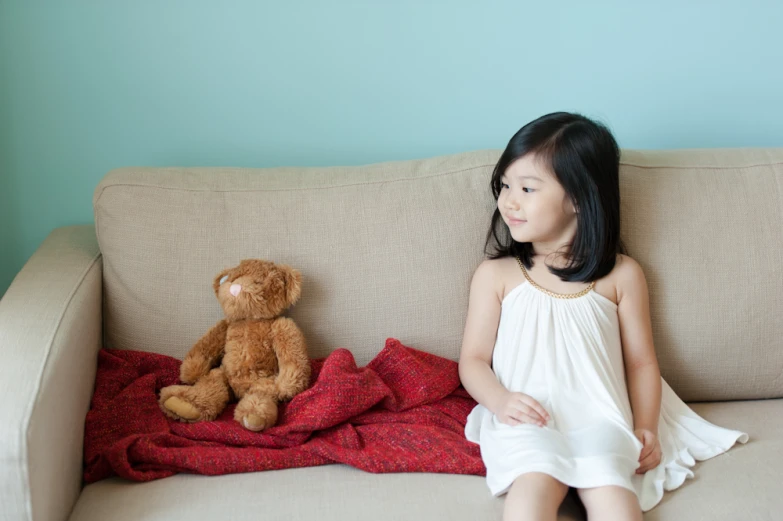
(610, 502)
(534, 496)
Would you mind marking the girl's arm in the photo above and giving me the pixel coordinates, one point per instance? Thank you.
(641, 365)
(479, 338)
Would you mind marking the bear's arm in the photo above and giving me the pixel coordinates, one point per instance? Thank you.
(292, 359)
(204, 354)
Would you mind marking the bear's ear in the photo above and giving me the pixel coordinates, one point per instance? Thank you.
(293, 284)
(219, 279)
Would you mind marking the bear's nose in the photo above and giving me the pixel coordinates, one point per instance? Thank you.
(235, 289)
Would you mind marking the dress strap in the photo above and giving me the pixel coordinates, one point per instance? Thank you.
(582, 293)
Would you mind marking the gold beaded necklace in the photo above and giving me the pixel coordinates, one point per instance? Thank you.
(552, 293)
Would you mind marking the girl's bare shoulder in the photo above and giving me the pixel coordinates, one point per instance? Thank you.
(625, 269)
(502, 274)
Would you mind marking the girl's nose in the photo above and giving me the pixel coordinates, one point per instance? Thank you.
(235, 289)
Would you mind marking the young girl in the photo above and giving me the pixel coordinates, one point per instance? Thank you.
(558, 322)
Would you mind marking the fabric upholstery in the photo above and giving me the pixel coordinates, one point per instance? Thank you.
(741, 484)
(387, 250)
(50, 333)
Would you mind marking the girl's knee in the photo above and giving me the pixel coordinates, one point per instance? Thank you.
(610, 500)
(534, 495)
(538, 481)
(538, 488)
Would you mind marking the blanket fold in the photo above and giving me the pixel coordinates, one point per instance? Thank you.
(403, 412)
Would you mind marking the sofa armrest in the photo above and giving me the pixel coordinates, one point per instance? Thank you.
(50, 334)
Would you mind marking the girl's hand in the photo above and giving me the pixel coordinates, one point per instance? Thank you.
(651, 453)
(519, 408)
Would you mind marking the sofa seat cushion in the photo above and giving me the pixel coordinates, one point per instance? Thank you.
(330, 492)
(305, 494)
(744, 483)
(741, 484)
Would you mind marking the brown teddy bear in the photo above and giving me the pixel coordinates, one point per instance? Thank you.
(253, 354)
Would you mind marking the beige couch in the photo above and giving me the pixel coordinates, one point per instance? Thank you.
(386, 250)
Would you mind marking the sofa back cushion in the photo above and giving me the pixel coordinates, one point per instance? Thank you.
(388, 250)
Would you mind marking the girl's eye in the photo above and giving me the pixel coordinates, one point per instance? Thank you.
(524, 189)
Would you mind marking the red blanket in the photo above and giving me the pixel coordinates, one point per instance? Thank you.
(404, 412)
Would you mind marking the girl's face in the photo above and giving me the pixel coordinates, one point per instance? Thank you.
(535, 207)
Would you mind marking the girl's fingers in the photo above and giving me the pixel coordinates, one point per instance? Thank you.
(643, 467)
(649, 445)
(530, 417)
(531, 402)
(543, 418)
(651, 461)
(531, 413)
(646, 451)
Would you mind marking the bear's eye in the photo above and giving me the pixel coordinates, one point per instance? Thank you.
(223, 279)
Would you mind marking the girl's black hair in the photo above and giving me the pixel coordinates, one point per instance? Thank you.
(584, 157)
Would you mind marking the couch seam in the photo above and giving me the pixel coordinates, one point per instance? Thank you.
(24, 432)
(399, 179)
(704, 167)
(143, 185)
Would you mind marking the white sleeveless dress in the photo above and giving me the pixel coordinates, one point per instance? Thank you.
(566, 353)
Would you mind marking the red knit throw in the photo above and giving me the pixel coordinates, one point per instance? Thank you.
(404, 412)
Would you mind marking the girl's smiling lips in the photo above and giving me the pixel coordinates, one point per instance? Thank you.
(514, 222)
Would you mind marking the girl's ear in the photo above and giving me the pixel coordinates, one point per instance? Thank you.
(569, 204)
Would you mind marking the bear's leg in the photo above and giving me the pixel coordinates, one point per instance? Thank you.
(257, 410)
(203, 401)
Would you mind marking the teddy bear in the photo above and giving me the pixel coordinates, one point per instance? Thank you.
(253, 354)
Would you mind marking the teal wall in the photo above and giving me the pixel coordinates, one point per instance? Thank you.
(89, 86)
